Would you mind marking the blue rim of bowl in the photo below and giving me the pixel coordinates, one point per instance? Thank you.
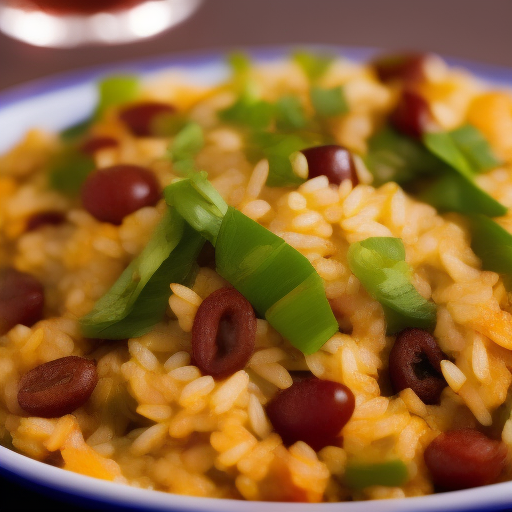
(499, 75)
(83, 490)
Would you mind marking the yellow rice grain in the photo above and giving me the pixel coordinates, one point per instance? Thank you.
(143, 356)
(185, 373)
(475, 403)
(257, 180)
(157, 413)
(60, 433)
(258, 418)
(268, 355)
(150, 439)
(229, 391)
(256, 209)
(177, 360)
(196, 389)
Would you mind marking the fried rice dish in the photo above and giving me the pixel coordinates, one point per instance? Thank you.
(293, 285)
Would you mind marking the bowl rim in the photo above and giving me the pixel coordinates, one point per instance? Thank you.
(79, 488)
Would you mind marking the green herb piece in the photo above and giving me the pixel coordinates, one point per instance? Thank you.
(239, 62)
(491, 243)
(392, 473)
(290, 114)
(76, 131)
(197, 201)
(276, 279)
(68, 171)
(138, 299)
(329, 102)
(313, 65)
(392, 156)
(113, 90)
(279, 281)
(116, 90)
(286, 167)
(185, 146)
(254, 268)
(455, 193)
(249, 111)
(465, 149)
(379, 264)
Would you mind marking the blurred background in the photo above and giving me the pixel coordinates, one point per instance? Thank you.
(478, 30)
(471, 29)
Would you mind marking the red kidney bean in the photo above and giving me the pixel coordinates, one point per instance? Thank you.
(332, 161)
(223, 333)
(311, 410)
(58, 387)
(93, 144)
(412, 115)
(460, 459)
(40, 219)
(408, 67)
(112, 193)
(415, 362)
(21, 299)
(142, 118)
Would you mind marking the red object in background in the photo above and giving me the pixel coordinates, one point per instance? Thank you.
(78, 6)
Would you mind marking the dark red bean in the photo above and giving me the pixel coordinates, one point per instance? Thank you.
(142, 119)
(223, 333)
(412, 115)
(408, 67)
(93, 144)
(460, 459)
(332, 161)
(112, 193)
(21, 299)
(58, 387)
(415, 362)
(311, 410)
(40, 219)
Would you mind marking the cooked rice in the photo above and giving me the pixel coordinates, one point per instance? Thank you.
(154, 420)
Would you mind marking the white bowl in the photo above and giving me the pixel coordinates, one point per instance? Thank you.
(63, 100)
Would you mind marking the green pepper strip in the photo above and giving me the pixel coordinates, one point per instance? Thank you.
(276, 279)
(392, 473)
(464, 149)
(491, 243)
(455, 193)
(138, 299)
(379, 264)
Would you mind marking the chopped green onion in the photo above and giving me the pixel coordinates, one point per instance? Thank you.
(249, 256)
(279, 281)
(443, 146)
(77, 130)
(69, 170)
(392, 473)
(492, 244)
(116, 90)
(290, 114)
(248, 110)
(392, 156)
(197, 201)
(276, 279)
(138, 299)
(185, 146)
(113, 90)
(379, 264)
(455, 193)
(329, 102)
(465, 149)
(239, 62)
(313, 65)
